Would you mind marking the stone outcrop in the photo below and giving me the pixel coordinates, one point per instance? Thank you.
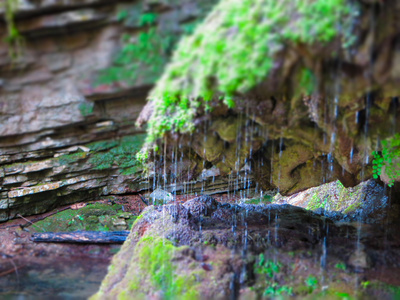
(367, 202)
(60, 95)
(204, 249)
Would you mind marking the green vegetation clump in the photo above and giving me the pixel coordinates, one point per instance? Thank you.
(341, 266)
(307, 81)
(93, 217)
(122, 154)
(232, 51)
(14, 39)
(70, 158)
(271, 270)
(154, 259)
(105, 155)
(86, 109)
(312, 283)
(316, 202)
(265, 199)
(388, 158)
(143, 56)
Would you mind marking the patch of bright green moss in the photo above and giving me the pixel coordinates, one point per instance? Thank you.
(155, 260)
(266, 199)
(307, 81)
(93, 217)
(121, 154)
(388, 158)
(141, 59)
(316, 202)
(143, 56)
(14, 39)
(232, 51)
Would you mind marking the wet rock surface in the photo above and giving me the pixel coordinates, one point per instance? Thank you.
(232, 251)
(366, 202)
(314, 118)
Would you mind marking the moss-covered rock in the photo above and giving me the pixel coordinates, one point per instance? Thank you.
(299, 79)
(366, 202)
(249, 36)
(92, 217)
(208, 250)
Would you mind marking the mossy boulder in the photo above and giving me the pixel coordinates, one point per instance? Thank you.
(92, 217)
(366, 202)
(235, 49)
(204, 249)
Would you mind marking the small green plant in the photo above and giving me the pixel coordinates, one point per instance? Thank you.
(265, 199)
(14, 38)
(341, 266)
(276, 290)
(155, 259)
(307, 81)
(148, 19)
(270, 270)
(312, 283)
(365, 284)
(142, 58)
(86, 109)
(267, 267)
(388, 158)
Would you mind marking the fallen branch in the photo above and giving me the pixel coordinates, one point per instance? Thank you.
(88, 237)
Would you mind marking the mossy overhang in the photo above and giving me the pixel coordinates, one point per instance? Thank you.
(264, 48)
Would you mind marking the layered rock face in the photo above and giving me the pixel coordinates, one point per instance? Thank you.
(61, 89)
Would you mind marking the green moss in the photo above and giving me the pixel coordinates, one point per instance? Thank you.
(143, 56)
(102, 145)
(316, 202)
(307, 81)
(266, 199)
(71, 158)
(154, 258)
(388, 158)
(108, 154)
(86, 109)
(233, 50)
(312, 283)
(341, 266)
(121, 154)
(93, 217)
(137, 219)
